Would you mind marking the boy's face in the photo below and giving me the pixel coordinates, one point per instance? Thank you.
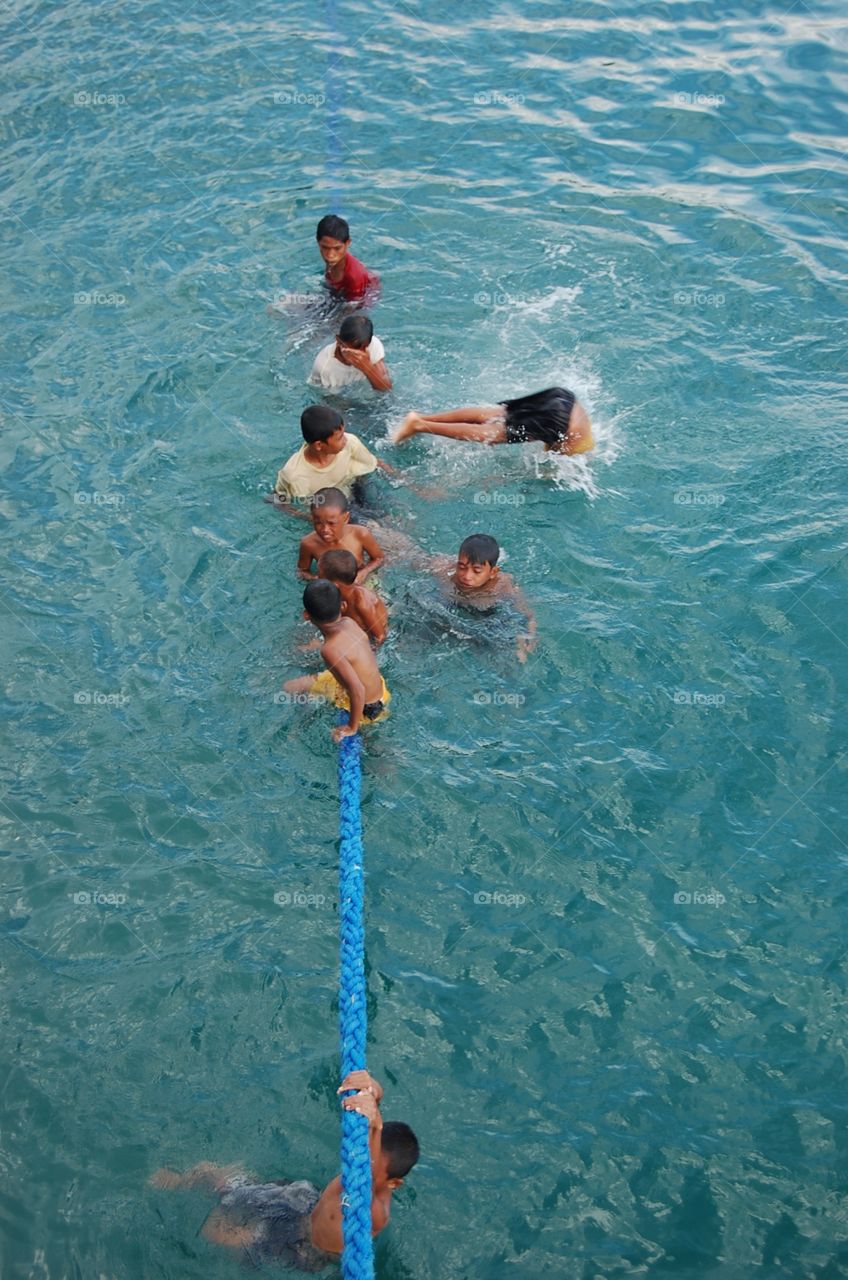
(471, 577)
(334, 443)
(332, 251)
(328, 523)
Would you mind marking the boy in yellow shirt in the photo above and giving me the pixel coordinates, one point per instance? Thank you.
(330, 457)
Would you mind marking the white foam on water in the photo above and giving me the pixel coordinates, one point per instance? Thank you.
(563, 295)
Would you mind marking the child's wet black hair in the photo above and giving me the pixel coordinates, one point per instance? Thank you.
(338, 566)
(322, 600)
(480, 548)
(329, 497)
(401, 1144)
(319, 422)
(357, 331)
(333, 226)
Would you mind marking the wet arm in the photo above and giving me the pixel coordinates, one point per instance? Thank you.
(526, 642)
(375, 554)
(346, 676)
(378, 375)
(304, 560)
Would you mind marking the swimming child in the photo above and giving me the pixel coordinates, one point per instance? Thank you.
(330, 457)
(479, 583)
(290, 1222)
(329, 512)
(345, 275)
(356, 357)
(360, 603)
(352, 680)
(553, 416)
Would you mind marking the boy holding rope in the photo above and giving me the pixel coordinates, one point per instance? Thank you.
(289, 1221)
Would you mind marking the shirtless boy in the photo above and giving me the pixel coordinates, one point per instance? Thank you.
(290, 1222)
(479, 583)
(360, 603)
(332, 531)
(352, 680)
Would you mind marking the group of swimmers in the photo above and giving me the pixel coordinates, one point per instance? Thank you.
(349, 615)
(290, 1221)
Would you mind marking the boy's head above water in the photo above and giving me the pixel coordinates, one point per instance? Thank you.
(323, 427)
(338, 566)
(356, 332)
(322, 602)
(333, 236)
(477, 562)
(399, 1148)
(329, 512)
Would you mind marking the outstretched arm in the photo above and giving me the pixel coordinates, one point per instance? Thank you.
(201, 1177)
(428, 492)
(527, 642)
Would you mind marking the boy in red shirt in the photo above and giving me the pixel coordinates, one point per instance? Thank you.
(345, 275)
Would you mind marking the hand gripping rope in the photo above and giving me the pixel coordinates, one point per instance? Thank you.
(358, 1257)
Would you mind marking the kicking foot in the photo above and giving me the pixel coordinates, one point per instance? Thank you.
(407, 428)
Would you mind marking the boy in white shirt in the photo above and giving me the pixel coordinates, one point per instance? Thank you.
(355, 357)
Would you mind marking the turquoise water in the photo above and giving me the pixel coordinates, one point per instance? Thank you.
(606, 894)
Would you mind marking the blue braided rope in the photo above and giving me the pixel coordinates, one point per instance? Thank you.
(358, 1256)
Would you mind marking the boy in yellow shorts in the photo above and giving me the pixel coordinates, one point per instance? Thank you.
(352, 680)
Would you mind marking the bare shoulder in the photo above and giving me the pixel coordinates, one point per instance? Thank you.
(365, 598)
(346, 641)
(332, 649)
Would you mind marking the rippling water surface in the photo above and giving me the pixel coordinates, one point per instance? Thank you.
(606, 890)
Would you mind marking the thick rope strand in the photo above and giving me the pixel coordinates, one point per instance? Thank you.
(358, 1256)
